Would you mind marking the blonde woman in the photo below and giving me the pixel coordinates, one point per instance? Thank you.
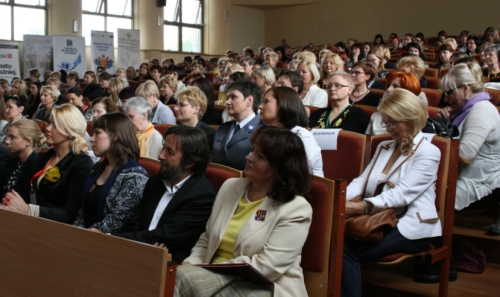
(311, 94)
(168, 87)
(162, 114)
(23, 138)
(414, 65)
(377, 59)
(330, 63)
(114, 88)
(264, 77)
(190, 109)
(18, 87)
(48, 98)
(61, 172)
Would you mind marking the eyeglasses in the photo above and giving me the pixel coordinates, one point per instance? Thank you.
(450, 91)
(391, 124)
(356, 73)
(336, 86)
(181, 105)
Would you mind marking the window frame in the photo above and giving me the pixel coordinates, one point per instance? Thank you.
(181, 25)
(12, 4)
(105, 14)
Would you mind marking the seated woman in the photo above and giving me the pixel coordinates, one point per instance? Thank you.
(491, 59)
(114, 189)
(211, 116)
(143, 72)
(34, 99)
(272, 59)
(168, 87)
(48, 98)
(311, 95)
(363, 72)
(414, 65)
(282, 108)
(357, 54)
(24, 136)
(415, 49)
(114, 88)
(330, 63)
(274, 184)
(90, 78)
(444, 53)
(473, 45)
(60, 172)
(140, 113)
(18, 88)
(478, 121)
(3, 115)
(395, 80)
(131, 74)
(162, 114)
(102, 106)
(264, 77)
(377, 58)
(407, 165)
(378, 39)
(15, 107)
(247, 64)
(190, 109)
(74, 96)
(104, 80)
(341, 114)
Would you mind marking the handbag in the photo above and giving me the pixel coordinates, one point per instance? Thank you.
(441, 127)
(371, 227)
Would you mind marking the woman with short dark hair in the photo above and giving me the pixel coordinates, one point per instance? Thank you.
(272, 192)
(114, 189)
(15, 109)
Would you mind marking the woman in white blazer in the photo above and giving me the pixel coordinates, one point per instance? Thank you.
(262, 220)
(408, 166)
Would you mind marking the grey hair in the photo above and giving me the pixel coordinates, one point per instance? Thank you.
(250, 61)
(344, 75)
(494, 48)
(140, 105)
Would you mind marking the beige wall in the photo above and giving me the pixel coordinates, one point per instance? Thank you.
(247, 28)
(60, 16)
(331, 21)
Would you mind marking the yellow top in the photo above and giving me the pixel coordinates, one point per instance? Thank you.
(240, 217)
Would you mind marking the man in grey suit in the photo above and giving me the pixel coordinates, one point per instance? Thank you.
(232, 139)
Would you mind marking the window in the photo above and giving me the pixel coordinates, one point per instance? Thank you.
(183, 28)
(20, 17)
(106, 15)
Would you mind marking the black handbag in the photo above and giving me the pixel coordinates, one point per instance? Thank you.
(441, 127)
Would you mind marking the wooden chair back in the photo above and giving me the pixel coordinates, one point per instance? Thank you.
(218, 174)
(495, 96)
(90, 129)
(162, 128)
(323, 249)
(99, 265)
(431, 72)
(347, 162)
(433, 96)
(152, 166)
(41, 124)
(369, 110)
(432, 82)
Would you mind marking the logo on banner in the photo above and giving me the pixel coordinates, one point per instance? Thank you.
(69, 42)
(104, 61)
(8, 56)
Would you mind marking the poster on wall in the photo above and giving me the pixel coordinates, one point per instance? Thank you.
(69, 54)
(128, 48)
(102, 50)
(9, 60)
(37, 53)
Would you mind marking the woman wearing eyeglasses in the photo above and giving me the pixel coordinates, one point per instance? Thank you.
(190, 109)
(362, 73)
(478, 121)
(406, 167)
(341, 114)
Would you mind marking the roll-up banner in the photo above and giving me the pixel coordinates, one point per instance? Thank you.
(128, 48)
(37, 53)
(102, 50)
(9, 61)
(69, 54)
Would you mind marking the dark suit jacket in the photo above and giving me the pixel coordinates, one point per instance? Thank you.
(183, 220)
(212, 116)
(233, 154)
(23, 181)
(61, 200)
(209, 131)
(4, 157)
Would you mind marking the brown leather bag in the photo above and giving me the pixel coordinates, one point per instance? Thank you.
(371, 227)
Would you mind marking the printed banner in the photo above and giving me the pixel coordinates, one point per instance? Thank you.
(69, 54)
(9, 60)
(37, 53)
(128, 48)
(102, 51)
